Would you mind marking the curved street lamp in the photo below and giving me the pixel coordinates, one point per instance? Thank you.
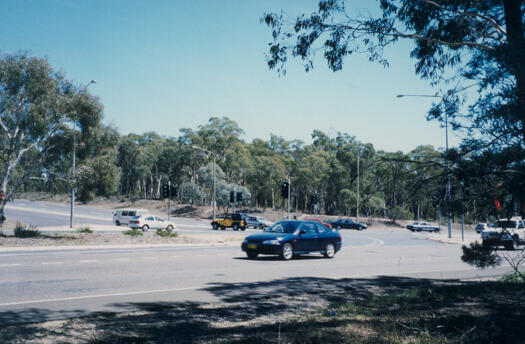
(214, 166)
(72, 215)
(449, 220)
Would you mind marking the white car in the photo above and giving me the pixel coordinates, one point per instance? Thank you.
(122, 216)
(146, 222)
(425, 226)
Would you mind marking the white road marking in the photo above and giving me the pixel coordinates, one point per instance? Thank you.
(52, 263)
(150, 258)
(85, 297)
(8, 265)
(88, 261)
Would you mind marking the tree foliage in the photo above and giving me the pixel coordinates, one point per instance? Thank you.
(37, 107)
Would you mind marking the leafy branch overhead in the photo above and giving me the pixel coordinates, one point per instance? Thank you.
(457, 44)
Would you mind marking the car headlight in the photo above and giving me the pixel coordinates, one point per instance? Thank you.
(273, 242)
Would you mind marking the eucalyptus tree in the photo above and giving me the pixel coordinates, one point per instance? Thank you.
(37, 105)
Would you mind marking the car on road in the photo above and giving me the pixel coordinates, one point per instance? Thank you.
(411, 225)
(257, 222)
(348, 224)
(146, 222)
(122, 216)
(480, 227)
(425, 227)
(324, 223)
(292, 237)
(235, 221)
(507, 233)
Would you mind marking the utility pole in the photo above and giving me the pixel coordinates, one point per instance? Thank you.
(357, 208)
(289, 187)
(448, 180)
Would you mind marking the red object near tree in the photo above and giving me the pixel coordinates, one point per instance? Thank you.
(498, 205)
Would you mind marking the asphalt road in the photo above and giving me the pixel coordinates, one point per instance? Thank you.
(48, 214)
(39, 285)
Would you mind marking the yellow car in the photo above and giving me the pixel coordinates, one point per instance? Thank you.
(235, 221)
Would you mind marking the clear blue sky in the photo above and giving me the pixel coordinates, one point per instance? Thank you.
(162, 65)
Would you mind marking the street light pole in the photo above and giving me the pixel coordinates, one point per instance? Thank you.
(357, 208)
(447, 196)
(73, 179)
(214, 181)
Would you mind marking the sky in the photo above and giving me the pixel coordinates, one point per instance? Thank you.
(163, 65)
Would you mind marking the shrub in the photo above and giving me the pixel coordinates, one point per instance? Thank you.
(166, 233)
(22, 231)
(133, 232)
(84, 230)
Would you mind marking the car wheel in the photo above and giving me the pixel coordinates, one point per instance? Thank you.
(418, 230)
(287, 251)
(252, 255)
(145, 228)
(235, 227)
(436, 230)
(329, 251)
(243, 228)
(223, 228)
(338, 227)
(261, 227)
(215, 226)
(170, 227)
(117, 223)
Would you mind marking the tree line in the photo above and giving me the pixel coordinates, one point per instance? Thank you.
(44, 117)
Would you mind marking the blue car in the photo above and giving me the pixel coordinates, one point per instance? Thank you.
(292, 237)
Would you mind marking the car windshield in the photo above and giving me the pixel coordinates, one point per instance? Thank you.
(283, 227)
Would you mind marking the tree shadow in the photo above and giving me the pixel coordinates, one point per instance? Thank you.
(258, 312)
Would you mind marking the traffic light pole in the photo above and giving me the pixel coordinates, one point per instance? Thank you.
(169, 198)
(289, 187)
(234, 199)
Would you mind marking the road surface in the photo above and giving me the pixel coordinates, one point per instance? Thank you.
(42, 285)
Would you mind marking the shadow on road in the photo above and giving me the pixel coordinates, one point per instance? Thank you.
(302, 310)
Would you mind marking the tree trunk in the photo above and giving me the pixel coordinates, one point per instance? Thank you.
(516, 42)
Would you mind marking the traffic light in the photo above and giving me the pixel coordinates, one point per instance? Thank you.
(174, 191)
(231, 197)
(239, 196)
(313, 198)
(165, 191)
(284, 189)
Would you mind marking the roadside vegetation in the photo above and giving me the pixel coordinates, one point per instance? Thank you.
(86, 230)
(166, 233)
(133, 232)
(24, 231)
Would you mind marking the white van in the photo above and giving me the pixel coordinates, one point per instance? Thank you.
(122, 216)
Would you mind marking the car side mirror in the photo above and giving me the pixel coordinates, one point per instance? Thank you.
(301, 232)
